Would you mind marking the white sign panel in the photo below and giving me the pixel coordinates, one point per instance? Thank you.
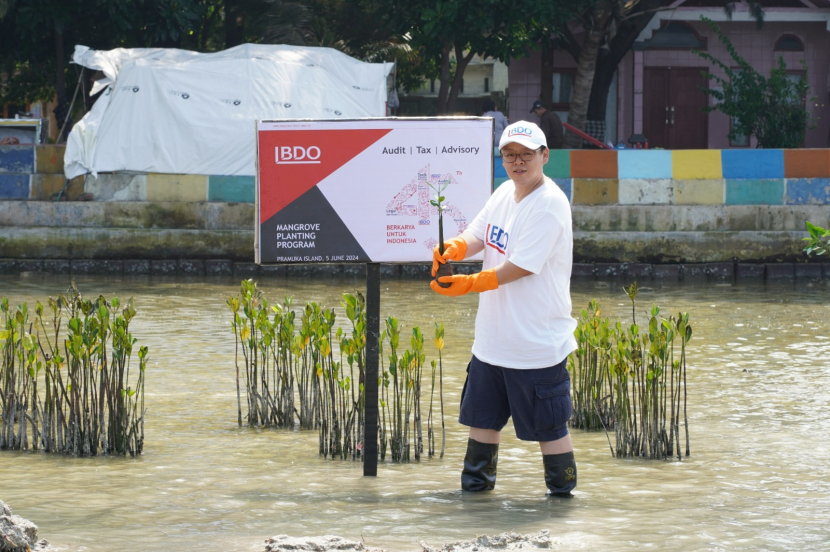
(360, 190)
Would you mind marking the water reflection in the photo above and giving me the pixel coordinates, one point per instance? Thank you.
(758, 478)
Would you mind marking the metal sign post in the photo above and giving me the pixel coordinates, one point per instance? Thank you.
(370, 386)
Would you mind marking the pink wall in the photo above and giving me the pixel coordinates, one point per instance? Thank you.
(756, 46)
(524, 86)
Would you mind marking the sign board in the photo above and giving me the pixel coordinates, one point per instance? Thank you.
(359, 191)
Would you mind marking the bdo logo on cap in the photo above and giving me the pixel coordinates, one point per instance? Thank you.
(520, 131)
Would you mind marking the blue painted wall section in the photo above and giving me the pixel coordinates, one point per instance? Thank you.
(565, 184)
(745, 191)
(232, 189)
(14, 186)
(752, 164)
(498, 168)
(17, 159)
(644, 164)
(808, 191)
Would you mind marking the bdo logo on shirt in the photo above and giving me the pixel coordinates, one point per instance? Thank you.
(497, 238)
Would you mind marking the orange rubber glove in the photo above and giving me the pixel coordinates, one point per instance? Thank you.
(454, 250)
(463, 283)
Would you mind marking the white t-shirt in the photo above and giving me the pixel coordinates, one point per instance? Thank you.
(526, 323)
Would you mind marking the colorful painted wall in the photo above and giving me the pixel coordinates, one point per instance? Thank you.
(690, 177)
(632, 206)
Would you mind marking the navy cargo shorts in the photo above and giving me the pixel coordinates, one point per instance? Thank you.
(539, 400)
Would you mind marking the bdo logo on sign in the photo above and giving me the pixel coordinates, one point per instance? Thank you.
(297, 155)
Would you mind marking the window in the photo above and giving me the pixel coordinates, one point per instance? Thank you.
(563, 88)
(432, 86)
(486, 84)
(789, 43)
(740, 140)
(675, 35)
(794, 77)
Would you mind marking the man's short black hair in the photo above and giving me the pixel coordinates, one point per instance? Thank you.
(488, 105)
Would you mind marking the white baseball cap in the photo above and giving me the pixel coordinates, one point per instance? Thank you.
(527, 134)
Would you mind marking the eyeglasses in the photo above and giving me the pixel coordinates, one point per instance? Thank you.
(525, 155)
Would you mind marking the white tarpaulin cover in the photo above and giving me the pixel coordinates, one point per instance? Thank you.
(182, 112)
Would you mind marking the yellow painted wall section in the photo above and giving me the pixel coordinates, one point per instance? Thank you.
(696, 164)
(45, 186)
(596, 191)
(49, 159)
(177, 187)
(699, 192)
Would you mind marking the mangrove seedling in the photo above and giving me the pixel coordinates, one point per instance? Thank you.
(439, 344)
(438, 202)
(88, 404)
(819, 240)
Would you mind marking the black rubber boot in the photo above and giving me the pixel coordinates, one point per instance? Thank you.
(479, 472)
(560, 474)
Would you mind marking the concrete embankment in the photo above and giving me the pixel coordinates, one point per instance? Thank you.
(654, 234)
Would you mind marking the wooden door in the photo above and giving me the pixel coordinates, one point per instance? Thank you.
(673, 102)
(656, 107)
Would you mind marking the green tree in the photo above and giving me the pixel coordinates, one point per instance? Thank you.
(265, 22)
(369, 30)
(37, 39)
(452, 32)
(771, 108)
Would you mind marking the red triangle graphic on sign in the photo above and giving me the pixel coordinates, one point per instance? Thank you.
(291, 162)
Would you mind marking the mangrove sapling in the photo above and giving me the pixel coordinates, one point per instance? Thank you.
(631, 291)
(355, 307)
(383, 399)
(396, 440)
(593, 397)
(333, 415)
(418, 357)
(233, 304)
(88, 406)
(308, 385)
(629, 379)
(288, 356)
(439, 344)
(267, 362)
(438, 202)
(430, 425)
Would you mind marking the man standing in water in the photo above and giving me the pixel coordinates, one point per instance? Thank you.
(523, 329)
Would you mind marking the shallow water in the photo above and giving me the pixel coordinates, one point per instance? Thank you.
(758, 477)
